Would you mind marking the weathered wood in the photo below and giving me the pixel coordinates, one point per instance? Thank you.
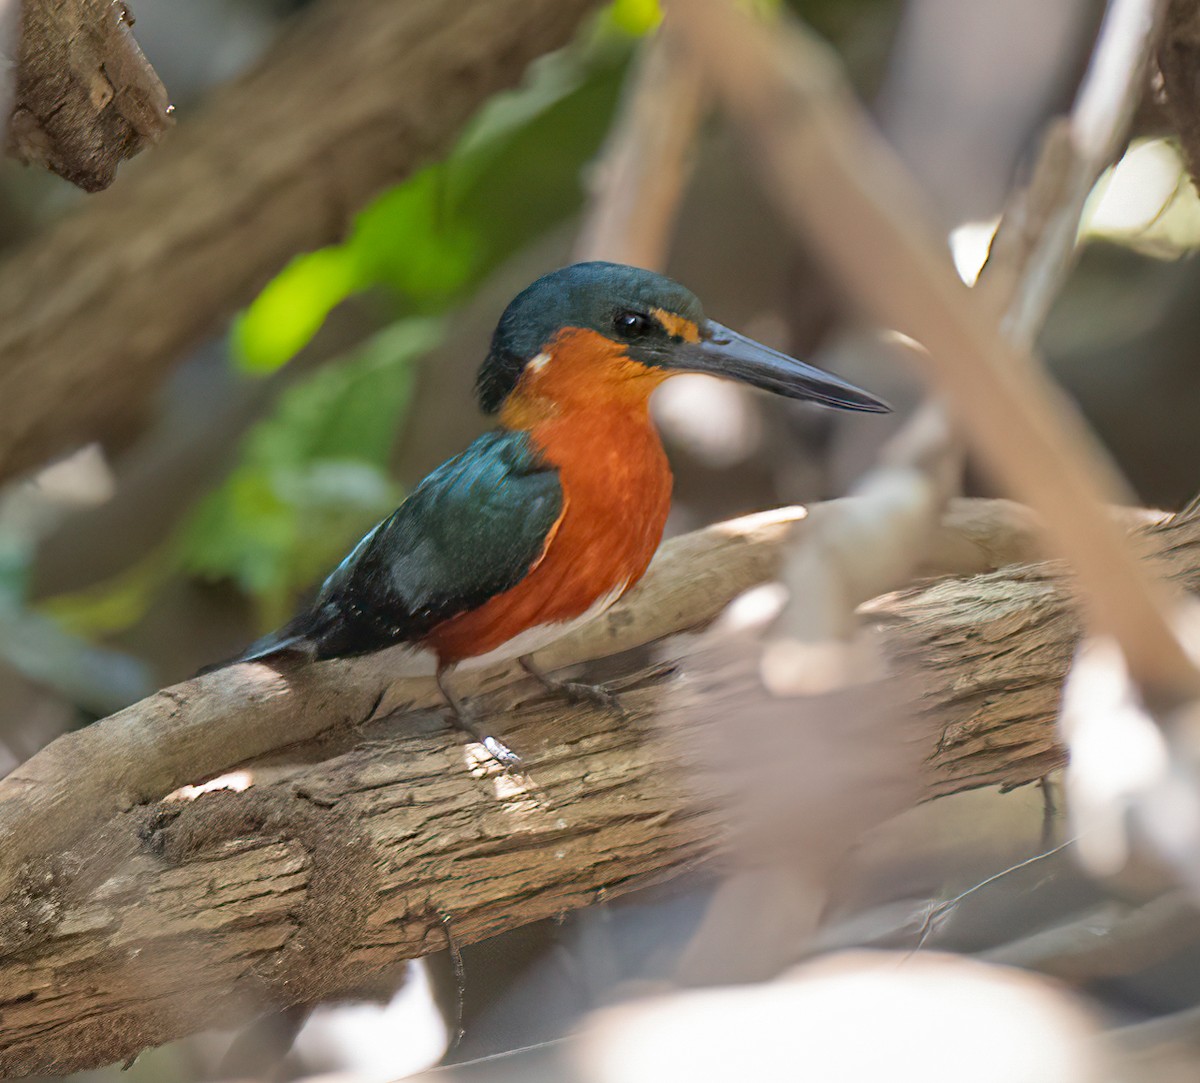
(197, 729)
(322, 876)
(86, 98)
(370, 843)
(994, 650)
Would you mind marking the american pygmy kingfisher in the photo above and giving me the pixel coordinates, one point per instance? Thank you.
(547, 520)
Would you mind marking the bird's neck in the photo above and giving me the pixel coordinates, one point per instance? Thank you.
(579, 375)
(586, 408)
(602, 446)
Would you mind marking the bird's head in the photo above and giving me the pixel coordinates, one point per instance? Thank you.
(602, 332)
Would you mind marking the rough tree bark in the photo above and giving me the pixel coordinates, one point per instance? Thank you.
(359, 94)
(995, 649)
(1179, 66)
(85, 98)
(201, 727)
(368, 844)
(321, 876)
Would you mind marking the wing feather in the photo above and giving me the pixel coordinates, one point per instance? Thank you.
(472, 529)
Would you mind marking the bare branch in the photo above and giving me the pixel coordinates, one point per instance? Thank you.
(858, 549)
(1115, 938)
(421, 827)
(1035, 246)
(197, 729)
(1179, 62)
(640, 179)
(202, 727)
(321, 878)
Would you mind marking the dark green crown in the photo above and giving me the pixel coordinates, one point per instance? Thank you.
(598, 296)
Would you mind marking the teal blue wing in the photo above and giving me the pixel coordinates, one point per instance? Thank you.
(472, 529)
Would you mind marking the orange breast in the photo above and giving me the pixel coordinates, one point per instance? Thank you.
(616, 488)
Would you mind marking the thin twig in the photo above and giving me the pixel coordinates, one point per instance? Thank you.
(872, 545)
(1036, 244)
(1179, 65)
(946, 905)
(646, 164)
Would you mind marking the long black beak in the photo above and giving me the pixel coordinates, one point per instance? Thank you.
(722, 352)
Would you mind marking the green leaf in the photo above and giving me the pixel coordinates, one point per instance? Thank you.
(276, 531)
(514, 173)
(635, 17)
(291, 308)
(312, 477)
(349, 408)
(410, 240)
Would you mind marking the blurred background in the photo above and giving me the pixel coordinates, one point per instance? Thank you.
(275, 444)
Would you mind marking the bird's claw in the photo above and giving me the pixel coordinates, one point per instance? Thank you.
(464, 719)
(493, 746)
(594, 694)
(577, 691)
(502, 754)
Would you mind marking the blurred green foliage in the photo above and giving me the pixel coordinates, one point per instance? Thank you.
(312, 477)
(635, 17)
(514, 173)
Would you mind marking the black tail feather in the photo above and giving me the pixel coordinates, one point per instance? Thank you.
(292, 639)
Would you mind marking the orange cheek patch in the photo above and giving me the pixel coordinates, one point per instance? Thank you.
(628, 369)
(579, 368)
(678, 326)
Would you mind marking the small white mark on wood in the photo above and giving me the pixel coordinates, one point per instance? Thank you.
(237, 781)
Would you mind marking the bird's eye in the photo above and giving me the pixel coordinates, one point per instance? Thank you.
(632, 324)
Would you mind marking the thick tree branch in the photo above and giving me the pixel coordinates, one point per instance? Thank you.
(321, 877)
(199, 728)
(995, 650)
(359, 94)
(365, 844)
(86, 98)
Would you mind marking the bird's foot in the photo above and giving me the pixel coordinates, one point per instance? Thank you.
(495, 747)
(465, 720)
(595, 694)
(577, 691)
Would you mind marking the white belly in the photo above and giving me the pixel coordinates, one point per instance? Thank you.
(420, 662)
